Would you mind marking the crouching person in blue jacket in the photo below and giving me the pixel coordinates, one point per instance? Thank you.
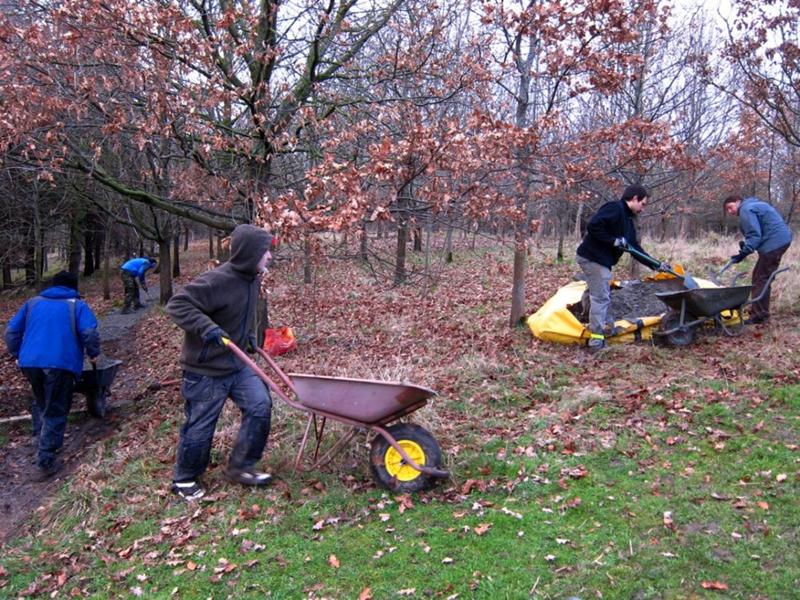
(48, 336)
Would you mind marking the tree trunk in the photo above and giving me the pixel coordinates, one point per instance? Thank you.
(520, 265)
(448, 243)
(176, 250)
(74, 251)
(308, 269)
(186, 238)
(210, 243)
(363, 250)
(107, 269)
(7, 279)
(88, 250)
(402, 241)
(165, 270)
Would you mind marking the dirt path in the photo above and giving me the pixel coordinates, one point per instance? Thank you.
(19, 496)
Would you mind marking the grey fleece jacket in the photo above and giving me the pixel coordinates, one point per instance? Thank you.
(225, 297)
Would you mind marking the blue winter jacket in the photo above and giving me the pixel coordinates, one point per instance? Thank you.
(762, 227)
(613, 220)
(137, 267)
(43, 334)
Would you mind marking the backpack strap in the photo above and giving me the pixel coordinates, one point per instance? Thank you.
(71, 302)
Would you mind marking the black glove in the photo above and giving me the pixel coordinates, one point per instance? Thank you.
(737, 258)
(664, 267)
(144, 287)
(621, 242)
(215, 336)
(252, 343)
(741, 245)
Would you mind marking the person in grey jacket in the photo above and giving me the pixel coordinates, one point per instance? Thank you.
(764, 232)
(222, 304)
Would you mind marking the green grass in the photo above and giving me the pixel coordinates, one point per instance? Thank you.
(679, 499)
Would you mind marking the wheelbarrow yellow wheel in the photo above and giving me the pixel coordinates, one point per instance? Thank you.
(391, 471)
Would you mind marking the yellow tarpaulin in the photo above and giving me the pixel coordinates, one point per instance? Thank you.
(554, 322)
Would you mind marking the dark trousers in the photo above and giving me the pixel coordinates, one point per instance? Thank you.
(204, 398)
(131, 291)
(52, 399)
(766, 264)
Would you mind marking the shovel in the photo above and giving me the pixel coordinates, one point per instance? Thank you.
(688, 280)
(716, 277)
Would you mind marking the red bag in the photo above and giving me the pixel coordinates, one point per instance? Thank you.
(279, 341)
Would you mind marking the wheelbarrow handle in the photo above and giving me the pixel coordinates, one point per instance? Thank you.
(766, 289)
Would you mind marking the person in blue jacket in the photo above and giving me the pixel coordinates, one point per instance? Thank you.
(764, 232)
(48, 336)
(610, 231)
(133, 271)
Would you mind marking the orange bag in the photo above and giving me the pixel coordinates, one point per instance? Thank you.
(279, 341)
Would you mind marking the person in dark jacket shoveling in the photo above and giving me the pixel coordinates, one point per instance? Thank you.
(222, 304)
(48, 336)
(611, 230)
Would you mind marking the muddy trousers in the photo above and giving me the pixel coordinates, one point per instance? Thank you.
(131, 289)
(766, 264)
(204, 398)
(598, 282)
(52, 399)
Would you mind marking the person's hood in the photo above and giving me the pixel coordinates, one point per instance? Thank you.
(248, 245)
(59, 292)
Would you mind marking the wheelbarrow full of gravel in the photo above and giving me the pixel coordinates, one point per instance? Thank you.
(404, 457)
(721, 307)
(95, 383)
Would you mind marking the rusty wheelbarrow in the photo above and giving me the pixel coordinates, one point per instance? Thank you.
(403, 457)
(721, 306)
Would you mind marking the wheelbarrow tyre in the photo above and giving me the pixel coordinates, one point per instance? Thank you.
(387, 466)
(683, 336)
(96, 404)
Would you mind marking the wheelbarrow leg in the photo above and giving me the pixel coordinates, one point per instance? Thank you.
(300, 451)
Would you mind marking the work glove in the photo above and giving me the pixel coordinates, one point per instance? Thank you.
(621, 242)
(737, 258)
(252, 343)
(215, 336)
(144, 287)
(664, 267)
(741, 245)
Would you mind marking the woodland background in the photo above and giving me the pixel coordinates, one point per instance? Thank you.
(132, 127)
(382, 140)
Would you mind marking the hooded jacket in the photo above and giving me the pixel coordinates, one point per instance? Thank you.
(226, 298)
(613, 220)
(52, 330)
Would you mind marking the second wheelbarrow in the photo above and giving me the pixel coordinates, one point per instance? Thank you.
(404, 457)
(95, 384)
(722, 306)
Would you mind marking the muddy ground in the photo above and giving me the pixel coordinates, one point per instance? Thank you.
(19, 496)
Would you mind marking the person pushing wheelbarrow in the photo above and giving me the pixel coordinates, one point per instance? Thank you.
(221, 305)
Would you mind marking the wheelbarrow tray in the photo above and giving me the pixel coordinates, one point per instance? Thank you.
(95, 384)
(706, 302)
(362, 400)
(102, 378)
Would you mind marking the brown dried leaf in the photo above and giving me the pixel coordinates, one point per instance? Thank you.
(714, 585)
